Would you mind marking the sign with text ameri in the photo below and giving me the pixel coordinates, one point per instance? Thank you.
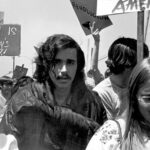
(107, 7)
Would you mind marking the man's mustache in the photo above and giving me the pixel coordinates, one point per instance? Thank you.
(67, 77)
(61, 77)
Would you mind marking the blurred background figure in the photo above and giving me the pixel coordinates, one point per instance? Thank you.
(7, 142)
(6, 84)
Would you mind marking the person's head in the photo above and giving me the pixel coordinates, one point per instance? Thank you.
(6, 84)
(60, 61)
(122, 55)
(139, 93)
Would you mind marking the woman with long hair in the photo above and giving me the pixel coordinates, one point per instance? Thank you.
(136, 135)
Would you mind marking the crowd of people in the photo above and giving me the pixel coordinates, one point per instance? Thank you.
(56, 110)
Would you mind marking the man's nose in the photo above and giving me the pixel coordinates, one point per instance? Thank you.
(64, 68)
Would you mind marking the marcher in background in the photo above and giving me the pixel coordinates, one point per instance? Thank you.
(2, 104)
(137, 133)
(57, 111)
(122, 57)
(6, 84)
(9, 142)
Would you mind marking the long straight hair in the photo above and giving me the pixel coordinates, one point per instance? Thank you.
(140, 75)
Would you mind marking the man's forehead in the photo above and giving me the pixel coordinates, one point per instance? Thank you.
(69, 53)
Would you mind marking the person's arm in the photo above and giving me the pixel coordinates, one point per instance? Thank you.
(94, 71)
(96, 74)
(107, 137)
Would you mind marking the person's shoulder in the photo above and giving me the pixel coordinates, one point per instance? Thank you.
(25, 96)
(106, 137)
(34, 86)
(103, 87)
(105, 83)
(109, 130)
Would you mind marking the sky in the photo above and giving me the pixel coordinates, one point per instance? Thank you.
(42, 18)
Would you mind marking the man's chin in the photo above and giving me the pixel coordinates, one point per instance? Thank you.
(64, 85)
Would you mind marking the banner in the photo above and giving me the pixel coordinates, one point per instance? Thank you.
(10, 40)
(107, 7)
(86, 13)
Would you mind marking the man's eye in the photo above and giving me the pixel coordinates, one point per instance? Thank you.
(146, 99)
(70, 62)
(56, 62)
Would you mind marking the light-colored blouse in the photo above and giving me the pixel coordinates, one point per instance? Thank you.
(109, 137)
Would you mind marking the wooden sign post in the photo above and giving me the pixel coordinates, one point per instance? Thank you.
(140, 35)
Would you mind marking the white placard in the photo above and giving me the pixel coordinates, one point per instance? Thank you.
(107, 7)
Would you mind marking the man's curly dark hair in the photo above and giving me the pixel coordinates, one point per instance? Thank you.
(47, 53)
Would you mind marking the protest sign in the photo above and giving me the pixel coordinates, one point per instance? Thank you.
(86, 13)
(10, 35)
(19, 72)
(107, 7)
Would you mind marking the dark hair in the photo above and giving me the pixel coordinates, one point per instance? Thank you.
(122, 54)
(6, 80)
(140, 75)
(47, 53)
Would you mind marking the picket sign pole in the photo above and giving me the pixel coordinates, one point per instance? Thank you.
(140, 35)
(13, 57)
(94, 58)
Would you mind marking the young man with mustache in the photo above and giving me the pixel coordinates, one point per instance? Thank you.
(57, 111)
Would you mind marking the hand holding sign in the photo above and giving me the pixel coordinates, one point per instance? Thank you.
(95, 32)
